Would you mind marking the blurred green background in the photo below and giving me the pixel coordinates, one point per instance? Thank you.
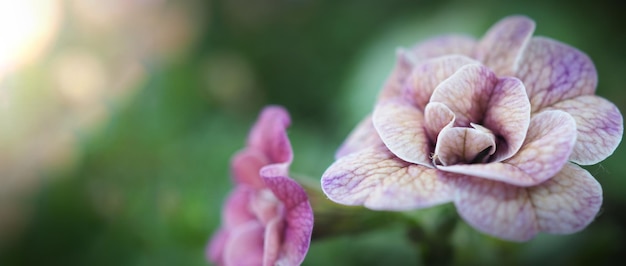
(118, 119)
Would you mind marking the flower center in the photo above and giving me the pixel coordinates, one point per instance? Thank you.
(266, 206)
(464, 145)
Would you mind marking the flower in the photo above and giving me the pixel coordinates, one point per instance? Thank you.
(267, 219)
(498, 126)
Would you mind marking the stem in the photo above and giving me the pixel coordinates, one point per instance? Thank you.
(434, 246)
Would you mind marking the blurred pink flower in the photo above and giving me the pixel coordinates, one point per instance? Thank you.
(496, 126)
(267, 219)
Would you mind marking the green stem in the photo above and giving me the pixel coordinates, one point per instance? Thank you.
(434, 245)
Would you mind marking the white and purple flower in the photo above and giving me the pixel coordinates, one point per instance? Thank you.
(498, 126)
(267, 219)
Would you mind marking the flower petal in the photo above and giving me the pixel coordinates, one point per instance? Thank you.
(467, 93)
(508, 116)
(496, 208)
(245, 167)
(245, 245)
(288, 191)
(236, 211)
(378, 180)
(553, 72)
(502, 45)
(600, 126)
(436, 117)
(427, 75)
(568, 202)
(298, 217)
(364, 135)
(297, 236)
(549, 143)
(444, 45)
(463, 145)
(564, 204)
(272, 241)
(400, 126)
(269, 135)
(215, 250)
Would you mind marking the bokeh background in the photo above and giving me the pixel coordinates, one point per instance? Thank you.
(118, 119)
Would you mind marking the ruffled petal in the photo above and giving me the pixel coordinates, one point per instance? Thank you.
(444, 45)
(246, 165)
(502, 45)
(549, 143)
(427, 75)
(495, 208)
(297, 238)
(269, 135)
(600, 127)
(377, 179)
(245, 245)
(400, 126)
(272, 241)
(298, 217)
(363, 136)
(463, 145)
(568, 202)
(564, 204)
(508, 116)
(436, 117)
(215, 250)
(467, 93)
(236, 209)
(553, 72)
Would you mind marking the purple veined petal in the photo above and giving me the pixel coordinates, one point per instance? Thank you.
(215, 249)
(548, 145)
(564, 204)
(568, 202)
(246, 165)
(393, 85)
(378, 180)
(460, 145)
(444, 45)
(272, 242)
(467, 93)
(437, 116)
(298, 217)
(496, 208)
(364, 135)
(502, 45)
(400, 126)
(427, 75)
(553, 72)
(269, 134)
(288, 191)
(245, 245)
(600, 127)
(508, 116)
(297, 236)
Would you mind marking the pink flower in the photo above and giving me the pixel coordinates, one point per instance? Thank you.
(496, 126)
(267, 219)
